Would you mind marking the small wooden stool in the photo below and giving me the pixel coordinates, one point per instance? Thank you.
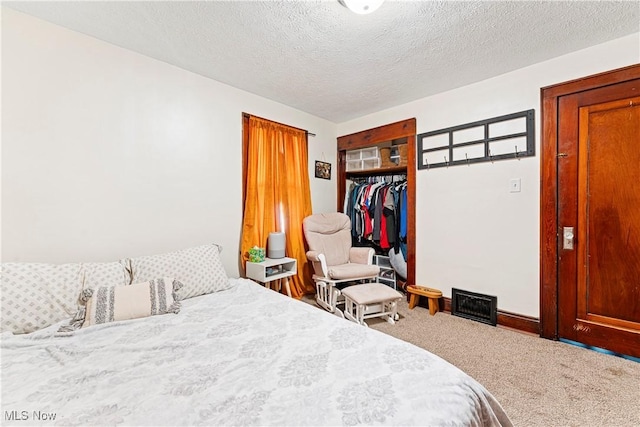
(418, 291)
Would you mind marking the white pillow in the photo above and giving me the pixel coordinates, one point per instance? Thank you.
(36, 295)
(106, 304)
(113, 303)
(199, 269)
(98, 274)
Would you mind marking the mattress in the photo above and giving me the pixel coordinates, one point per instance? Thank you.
(243, 356)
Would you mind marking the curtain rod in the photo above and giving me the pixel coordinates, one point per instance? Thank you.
(305, 131)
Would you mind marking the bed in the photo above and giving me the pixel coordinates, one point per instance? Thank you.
(242, 356)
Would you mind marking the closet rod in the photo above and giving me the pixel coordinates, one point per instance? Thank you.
(378, 178)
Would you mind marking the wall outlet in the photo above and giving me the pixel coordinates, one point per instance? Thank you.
(514, 185)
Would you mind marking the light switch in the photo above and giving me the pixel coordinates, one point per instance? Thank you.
(514, 185)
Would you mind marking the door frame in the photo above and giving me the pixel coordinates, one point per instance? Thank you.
(549, 231)
(370, 137)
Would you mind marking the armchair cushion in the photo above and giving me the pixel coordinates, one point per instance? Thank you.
(361, 255)
(313, 256)
(352, 271)
(329, 234)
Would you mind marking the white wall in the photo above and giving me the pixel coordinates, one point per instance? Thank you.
(107, 153)
(472, 233)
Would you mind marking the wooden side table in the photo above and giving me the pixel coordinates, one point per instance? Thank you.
(273, 272)
(418, 291)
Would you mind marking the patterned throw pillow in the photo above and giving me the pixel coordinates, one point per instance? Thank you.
(36, 295)
(198, 268)
(106, 304)
(98, 274)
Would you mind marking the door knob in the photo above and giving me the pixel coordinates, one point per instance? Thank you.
(567, 238)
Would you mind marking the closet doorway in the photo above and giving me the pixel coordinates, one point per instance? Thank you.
(590, 211)
(398, 133)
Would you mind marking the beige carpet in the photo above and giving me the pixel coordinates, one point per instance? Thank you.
(538, 382)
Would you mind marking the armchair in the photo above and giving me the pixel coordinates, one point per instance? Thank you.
(333, 258)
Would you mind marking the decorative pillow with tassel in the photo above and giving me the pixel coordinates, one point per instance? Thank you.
(106, 304)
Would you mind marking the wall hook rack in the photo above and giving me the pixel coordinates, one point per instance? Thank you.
(482, 141)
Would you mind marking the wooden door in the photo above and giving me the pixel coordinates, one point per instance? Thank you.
(598, 196)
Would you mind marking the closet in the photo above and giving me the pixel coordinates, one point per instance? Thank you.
(398, 137)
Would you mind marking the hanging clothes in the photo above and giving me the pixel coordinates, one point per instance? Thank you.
(378, 213)
(402, 234)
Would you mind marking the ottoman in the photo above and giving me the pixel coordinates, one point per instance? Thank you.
(370, 300)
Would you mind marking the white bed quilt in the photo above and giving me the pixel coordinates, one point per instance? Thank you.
(243, 356)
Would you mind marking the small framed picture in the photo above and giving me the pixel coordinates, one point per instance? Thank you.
(323, 170)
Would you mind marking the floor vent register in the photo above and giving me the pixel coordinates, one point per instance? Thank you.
(474, 306)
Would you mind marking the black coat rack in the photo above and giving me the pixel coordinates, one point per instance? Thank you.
(488, 148)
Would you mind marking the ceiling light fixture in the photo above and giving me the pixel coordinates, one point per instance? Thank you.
(361, 7)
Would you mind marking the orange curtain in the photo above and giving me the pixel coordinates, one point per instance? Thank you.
(277, 193)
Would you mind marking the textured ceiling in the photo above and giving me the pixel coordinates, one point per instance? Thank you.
(319, 57)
